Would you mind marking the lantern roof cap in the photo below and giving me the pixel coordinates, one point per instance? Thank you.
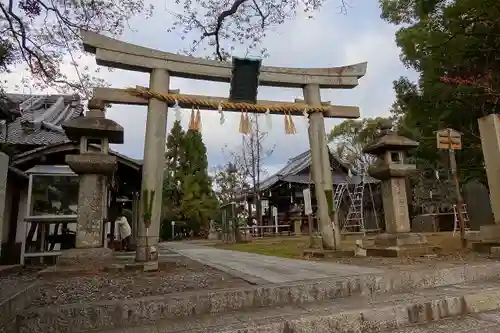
(390, 141)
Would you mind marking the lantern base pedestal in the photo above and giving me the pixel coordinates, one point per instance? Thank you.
(487, 240)
(91, 257)
(396, 245)
(80, 262)
(143, 255)
(327, 254)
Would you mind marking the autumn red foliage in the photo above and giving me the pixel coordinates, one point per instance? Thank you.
(481, 80)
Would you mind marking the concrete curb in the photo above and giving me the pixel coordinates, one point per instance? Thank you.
(15, 303)
(6, 270)
(385, 319)
(125, 313)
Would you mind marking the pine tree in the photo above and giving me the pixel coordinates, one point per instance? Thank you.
(172, 179)
(187, 189)
(198, 203)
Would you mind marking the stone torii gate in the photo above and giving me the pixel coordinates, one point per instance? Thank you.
(162, 65)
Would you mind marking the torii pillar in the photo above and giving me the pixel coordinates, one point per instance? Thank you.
(320, 163)
(161, 65)
(153, 165)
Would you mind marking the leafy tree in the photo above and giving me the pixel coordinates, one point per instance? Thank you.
(431, 190)
(442, 40)
(229, 181)
(351, 136)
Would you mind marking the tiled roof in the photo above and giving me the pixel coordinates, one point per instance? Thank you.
(39, 119)
(291, 173)
(292, 169)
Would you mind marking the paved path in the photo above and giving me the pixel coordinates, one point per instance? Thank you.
(261, 269)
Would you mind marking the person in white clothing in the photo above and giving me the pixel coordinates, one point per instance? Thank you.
(124, 229)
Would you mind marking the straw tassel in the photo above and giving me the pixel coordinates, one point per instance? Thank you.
(242, 123)
(197, 120)
(192, 120)
(306, 116)
(293, 130)
(246, 123)
(287, 125)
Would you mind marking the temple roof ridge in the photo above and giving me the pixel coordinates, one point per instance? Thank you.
(38, 118)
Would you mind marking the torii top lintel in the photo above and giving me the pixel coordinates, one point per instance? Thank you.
(117, 54)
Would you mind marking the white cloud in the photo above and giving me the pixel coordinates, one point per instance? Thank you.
(329, 39)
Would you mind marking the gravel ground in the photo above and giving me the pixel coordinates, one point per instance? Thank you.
(433, 261)
(14, 282)
(183, 276)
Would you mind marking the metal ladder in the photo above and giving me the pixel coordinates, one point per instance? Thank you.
(338, 195)
(354, 220)
(456, 224)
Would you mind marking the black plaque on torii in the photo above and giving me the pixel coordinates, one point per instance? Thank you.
(244, 80)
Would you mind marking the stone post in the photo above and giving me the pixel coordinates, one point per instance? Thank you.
(489, 128)
(154, 162)
(4, 171)
(92, 167)
(316, 130)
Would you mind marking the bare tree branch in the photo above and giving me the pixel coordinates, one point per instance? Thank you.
(44, 33)
(223, 24)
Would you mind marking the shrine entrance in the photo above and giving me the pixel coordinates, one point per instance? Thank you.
(162, 65)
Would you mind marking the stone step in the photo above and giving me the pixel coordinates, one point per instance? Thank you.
(76, 318)
(488, 322)
(398, 312)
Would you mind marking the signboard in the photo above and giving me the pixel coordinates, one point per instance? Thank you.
(265, 204)
(307, 201)
(275, 211)
(449, 139)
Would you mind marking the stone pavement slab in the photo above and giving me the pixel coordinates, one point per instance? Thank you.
(261, 269)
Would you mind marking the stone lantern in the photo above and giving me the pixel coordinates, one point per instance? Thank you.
(94, 133)
(391, 168)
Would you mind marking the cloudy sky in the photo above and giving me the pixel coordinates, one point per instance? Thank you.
(330, 39)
